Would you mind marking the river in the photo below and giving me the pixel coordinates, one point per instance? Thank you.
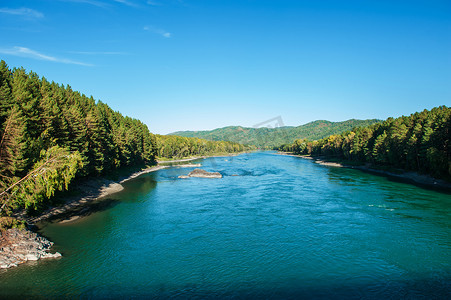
(276, 227)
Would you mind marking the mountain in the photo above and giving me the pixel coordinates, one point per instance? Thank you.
(264, 137)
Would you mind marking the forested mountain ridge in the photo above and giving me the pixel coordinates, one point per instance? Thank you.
(265, 137)
(419, 142)
(50, 134)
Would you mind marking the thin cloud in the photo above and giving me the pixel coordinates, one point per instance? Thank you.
(153, 3)
(126, 2)
(98, 53)
(103, 4)
(159, 31)
(90, 2)
(24, 12)
(26, 52)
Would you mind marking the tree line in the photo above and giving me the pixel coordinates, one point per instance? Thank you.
(51, 134)
(419, 142)
(172, 146)
(268, 138)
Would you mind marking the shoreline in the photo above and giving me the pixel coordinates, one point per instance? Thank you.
(94, 189)
(17, 248)
(199, 157)
(20, 246)
(415, 178)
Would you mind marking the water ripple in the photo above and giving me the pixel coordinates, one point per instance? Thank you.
(283, 228)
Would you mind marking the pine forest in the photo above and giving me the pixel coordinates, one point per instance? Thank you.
(51, 134)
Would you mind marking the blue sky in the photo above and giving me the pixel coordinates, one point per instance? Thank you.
(198, 64)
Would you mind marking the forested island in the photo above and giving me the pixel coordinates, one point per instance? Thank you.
(51, 135)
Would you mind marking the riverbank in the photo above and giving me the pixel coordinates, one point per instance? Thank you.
(163, 161)
(91, 190)
(421, 180)
(20, 246)
(337, 224)
(95, 189)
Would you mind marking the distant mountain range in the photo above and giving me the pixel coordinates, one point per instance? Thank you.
(264, 137)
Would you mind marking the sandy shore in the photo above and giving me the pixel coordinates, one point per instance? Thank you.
(95, 189)
(197, 157)
(415, 178)
(98, 188)
(178, 160)
(20, 246)
(91, 190)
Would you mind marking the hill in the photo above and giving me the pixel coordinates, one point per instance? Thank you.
(264, 137)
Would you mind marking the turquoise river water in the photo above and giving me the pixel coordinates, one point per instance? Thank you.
(274, 227)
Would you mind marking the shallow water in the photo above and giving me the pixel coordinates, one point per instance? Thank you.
(284, 227)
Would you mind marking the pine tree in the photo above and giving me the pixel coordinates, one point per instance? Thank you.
(13, 145)
(5, 92)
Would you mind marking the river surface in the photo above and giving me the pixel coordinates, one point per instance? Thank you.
(273, 227)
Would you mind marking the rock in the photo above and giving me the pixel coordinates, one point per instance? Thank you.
(32, 256)
(19, 246)
(202, 174)
(51, 255)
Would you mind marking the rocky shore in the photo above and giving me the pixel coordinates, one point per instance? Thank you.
(19, 246)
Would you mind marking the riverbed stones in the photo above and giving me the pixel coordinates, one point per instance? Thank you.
(19, 246)
(202, 174)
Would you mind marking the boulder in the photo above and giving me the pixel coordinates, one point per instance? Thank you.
(202, 174)
(32, 256)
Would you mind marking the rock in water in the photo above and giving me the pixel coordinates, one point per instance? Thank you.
(202, 174)
(18, 246)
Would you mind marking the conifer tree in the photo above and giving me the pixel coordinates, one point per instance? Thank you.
(5, 91)
(13, 145)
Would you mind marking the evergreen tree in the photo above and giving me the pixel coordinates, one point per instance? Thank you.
(420, 142)
(13, 146)
(5, 92)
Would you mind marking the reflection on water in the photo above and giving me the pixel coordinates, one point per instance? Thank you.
(272, 227)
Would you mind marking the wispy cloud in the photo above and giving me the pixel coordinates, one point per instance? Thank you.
(26, 52)
(153, 3)
(90, 2)
(105, 4)
(159, 31)
(98, 53)
(24, 12)
(126, 2)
